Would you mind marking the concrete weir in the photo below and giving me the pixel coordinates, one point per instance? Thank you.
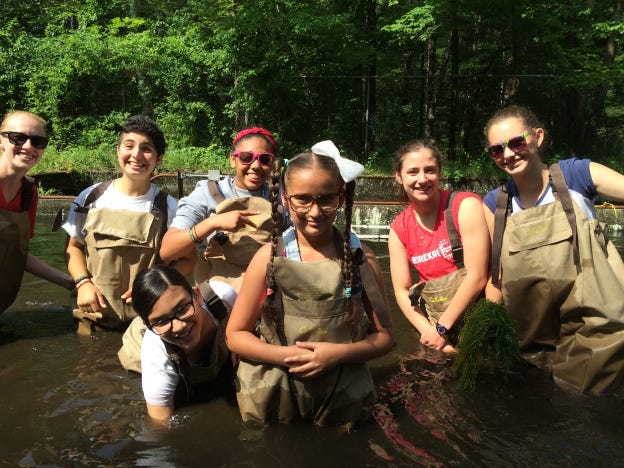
(375, 207)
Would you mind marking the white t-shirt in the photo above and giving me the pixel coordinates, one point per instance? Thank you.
(112, 198)
(158, 372)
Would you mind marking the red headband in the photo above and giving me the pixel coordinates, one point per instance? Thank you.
(256, 131)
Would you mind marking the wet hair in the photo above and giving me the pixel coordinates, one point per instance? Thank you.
(412, 147)
(524, 114)
(144, 126)
(279, 178)
(20, 113)
(255, 132)
(150, 284)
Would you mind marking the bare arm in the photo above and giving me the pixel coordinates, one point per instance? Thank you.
(402, 281)
(476, 243)
(159, 415)
(492, 293)
(246, 311)
(609, 183)
(38, 267)
(89, 299)
(177, 243)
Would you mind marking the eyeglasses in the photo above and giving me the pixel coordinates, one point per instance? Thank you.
(17, 138)
(515, 144)
(248, 157)
(302, 203)
(164, 325)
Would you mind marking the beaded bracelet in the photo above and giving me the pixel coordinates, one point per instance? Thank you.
(80, 279)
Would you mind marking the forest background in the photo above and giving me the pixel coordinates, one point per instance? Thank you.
(370, 75)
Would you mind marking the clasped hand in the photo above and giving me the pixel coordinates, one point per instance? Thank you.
(432, 339)
(310, 359)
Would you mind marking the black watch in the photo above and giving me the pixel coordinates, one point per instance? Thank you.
(442, 330)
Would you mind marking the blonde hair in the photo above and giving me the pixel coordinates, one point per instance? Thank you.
(20, 113)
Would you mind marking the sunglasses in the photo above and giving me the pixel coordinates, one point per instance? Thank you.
(17, 138)
(248, 157)
(515, 144)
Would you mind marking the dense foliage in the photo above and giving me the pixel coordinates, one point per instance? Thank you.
(367, 74)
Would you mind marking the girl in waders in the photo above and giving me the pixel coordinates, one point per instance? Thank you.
(22, 143)
(312, 309)
(227, 221)
(562, 281)
(114, 230)
(183, 355)
(442, 235)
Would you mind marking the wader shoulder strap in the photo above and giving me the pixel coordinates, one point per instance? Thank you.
(560, 188)
(93, 195)
(183, 391)
(28, 189)
(456, 245)
(503, 201)
(213, 302)
(213, 189)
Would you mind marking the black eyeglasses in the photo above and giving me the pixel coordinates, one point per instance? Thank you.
(515, 144)
(248, 157)
(183, 313)
(18, 138)
(302, 203)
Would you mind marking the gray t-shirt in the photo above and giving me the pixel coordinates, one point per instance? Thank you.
(200, 204)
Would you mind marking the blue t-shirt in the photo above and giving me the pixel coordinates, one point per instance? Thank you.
(579, 181)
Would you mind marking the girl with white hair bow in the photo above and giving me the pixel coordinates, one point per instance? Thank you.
(312, 309)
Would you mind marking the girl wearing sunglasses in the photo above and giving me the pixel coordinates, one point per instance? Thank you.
(183, 355)
(22, 143)
(561, 279)
(228, 220)
(442, 236)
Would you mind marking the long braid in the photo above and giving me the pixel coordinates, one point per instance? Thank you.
(274, 189)
(347, 264)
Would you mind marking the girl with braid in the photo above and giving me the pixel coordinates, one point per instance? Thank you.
(312, 308)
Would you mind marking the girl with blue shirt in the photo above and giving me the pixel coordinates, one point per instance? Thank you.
(560, 278)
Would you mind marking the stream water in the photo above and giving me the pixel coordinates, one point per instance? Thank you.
(66, 401)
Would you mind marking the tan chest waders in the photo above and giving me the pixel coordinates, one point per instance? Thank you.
(563, 285)
(228, 253)
(311, 296)
(14, 238)
(119, 244)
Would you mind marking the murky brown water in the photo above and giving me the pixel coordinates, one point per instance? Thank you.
(65, 401)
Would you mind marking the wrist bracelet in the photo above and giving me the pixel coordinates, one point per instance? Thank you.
(83, 282)
(80, 279)
(193, 236)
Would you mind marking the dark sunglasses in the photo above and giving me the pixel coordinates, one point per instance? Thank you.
(515, 144)
(17, 138)
(248, 157)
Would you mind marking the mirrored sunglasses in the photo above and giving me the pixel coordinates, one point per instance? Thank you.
(248, 157)
(18, 138)
(515, 144)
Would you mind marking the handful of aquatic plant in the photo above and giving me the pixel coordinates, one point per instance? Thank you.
(487, 339)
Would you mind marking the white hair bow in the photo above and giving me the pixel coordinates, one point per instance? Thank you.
(349, 170)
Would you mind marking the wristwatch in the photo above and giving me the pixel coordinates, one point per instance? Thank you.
(441, 329)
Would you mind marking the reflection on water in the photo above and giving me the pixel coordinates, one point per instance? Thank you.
(65, 401)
